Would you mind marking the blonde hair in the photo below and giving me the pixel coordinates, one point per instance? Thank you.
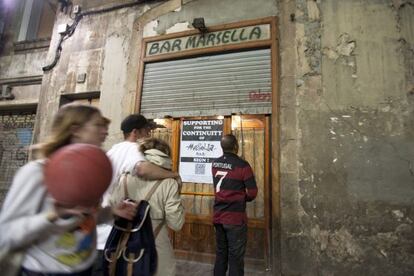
(155, 143)
(68, 116)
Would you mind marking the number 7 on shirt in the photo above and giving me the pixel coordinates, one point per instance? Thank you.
(223, 175)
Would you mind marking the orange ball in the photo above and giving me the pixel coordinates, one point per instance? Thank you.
(78, 174)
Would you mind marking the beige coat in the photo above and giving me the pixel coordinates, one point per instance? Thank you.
(165, 204)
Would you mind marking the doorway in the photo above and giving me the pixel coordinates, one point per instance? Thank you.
(196, 240)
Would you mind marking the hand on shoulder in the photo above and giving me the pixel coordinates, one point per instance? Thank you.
(179, 182)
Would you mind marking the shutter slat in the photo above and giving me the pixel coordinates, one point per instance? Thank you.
(208, 85)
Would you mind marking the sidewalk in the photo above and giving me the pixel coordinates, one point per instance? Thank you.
(189, 268)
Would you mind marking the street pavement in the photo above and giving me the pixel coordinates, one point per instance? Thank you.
(190, 268)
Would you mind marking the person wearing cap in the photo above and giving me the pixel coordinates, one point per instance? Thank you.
(126, 157)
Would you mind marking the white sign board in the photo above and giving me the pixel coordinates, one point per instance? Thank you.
(200, 145)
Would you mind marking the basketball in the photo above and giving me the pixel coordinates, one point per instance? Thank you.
(78, 174)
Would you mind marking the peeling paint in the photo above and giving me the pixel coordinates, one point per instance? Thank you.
(339, 244)
(398, 214)
(345, 45)
(344, 48)
(313, 10)
(400, 3)
(302, 63)
(149, 28)
(179, 27)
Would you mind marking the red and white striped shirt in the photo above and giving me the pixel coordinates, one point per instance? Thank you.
(234, 185)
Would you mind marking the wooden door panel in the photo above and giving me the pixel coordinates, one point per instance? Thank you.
(255, 241)
(198, 198)
(199, 238)
(252, 150)
(196, 240)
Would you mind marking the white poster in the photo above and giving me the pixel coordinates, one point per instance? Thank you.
(200, 145)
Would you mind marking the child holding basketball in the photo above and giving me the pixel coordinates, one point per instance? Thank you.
(56, 239)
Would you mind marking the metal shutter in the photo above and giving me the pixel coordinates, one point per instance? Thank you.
(209, 85)
(16, 129)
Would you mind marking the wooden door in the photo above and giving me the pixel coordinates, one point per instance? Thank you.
(252, 132)
(196, 240)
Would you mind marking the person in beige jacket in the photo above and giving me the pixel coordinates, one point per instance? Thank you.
(165, 204)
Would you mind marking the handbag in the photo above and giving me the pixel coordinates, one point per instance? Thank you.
(130, 249)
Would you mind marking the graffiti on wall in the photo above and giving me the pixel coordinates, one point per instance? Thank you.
(259, 96)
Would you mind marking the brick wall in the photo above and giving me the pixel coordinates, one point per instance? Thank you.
(16, 130)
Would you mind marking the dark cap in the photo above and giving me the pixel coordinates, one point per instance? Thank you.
(135, 121)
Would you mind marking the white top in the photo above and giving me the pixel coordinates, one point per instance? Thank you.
(124, 156)
(49, 247)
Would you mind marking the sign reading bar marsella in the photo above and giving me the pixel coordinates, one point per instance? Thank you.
(200, 145)
(199, 41)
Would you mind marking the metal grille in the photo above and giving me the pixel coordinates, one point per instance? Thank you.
(209, 85)
(16, 131)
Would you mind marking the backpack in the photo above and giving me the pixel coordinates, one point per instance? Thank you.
(130, 249)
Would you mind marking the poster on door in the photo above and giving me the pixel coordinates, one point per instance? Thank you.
(200, 145)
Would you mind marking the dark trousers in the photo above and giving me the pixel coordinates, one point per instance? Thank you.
(230, 248)
(97, 269)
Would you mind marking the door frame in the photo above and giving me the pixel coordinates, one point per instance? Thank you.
(272, 43)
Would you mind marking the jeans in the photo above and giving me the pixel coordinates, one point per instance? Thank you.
(230, 248)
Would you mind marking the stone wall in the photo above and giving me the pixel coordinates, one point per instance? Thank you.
(350, 212)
